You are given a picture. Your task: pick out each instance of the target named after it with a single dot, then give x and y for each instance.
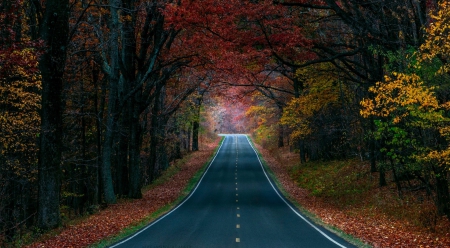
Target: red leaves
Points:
(110, 221)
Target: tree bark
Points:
(54, 31)
(196, 122)
(280, 127)
(442, 192)
(135, 181)
(112, 115)
(195, 131)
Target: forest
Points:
(99, 97)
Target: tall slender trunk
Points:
(372, 154)
(121, 175)
(135, 178)
(106, 174)
(162, 161)
(112, 115)
(189, 131)
(301, 145)
(154, 138)
(195, 131)
(442, 192)
(96, 198)
(54, 32)
(298, 89)
(280, 127)
(382, 178)
(196, 122)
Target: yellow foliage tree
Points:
(403, 103)
(321, 91)
(263, 121)
(19, 111)
(437, 43)
(400, 96)
(412, 125)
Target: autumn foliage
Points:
(129, 86)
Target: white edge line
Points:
(289, 205)
(179, 205)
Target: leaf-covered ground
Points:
(375, 216)
(114, 218)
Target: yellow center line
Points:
(238, 240)
(238, 226)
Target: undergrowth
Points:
(348, 184)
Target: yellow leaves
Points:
(442, 158)
(407, 104)
(19, 110)
(399, 96)
(322, 90)
(437, 43)
(295, 116)
(125, 18)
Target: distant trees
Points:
(20, 85)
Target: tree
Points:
(20, 86)
(436, 45)
(54, 32)
(409, 119)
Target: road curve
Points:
(234, 205)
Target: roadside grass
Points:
(342, 182)
(303, 210)
(348, 184)
(166, 176)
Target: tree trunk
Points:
(382, 179)
(195, 130)
(154, 138)
(280, 127)
(196, 123)
(301, 145)
(54, 32)
(442, 192)
(112, 115)
(280, 136)
(121, 182)
(179, 140)
(106, 174)
(373, 161)
(135, 181)
(121, 176)
(97, 188)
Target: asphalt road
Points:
(234, 205)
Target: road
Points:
(234, 205)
